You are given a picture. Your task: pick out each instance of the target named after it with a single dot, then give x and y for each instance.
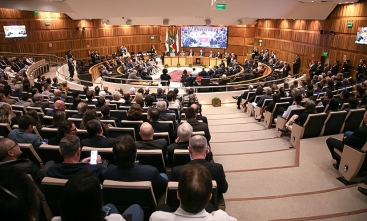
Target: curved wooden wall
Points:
(290, 37)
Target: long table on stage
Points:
(194, 60)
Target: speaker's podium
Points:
(198, 61)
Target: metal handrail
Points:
(50, 58)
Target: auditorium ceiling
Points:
(181, 12)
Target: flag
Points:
(177, 44)
(167, 42)
(172, 41)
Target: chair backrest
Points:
(334, 122)
(112, 106)
(133, 124)
(111, 122)
(114, 132)
(266, 102)
(297, 111)
(194, 133)
(277, 106)
(171, 195)
(180, 157)
(119, 114)
(257, 98)
(105, 153)
(82, 134)
(320, 109)
(164, 135)
(5, 129)
(30, 153)
(49, 132)
(50, 152)
(47, 120)
(124, 194)
(18, 113)
(153, 158)
(345, 105)
(77, 121)
(38, 109)
(18, 107)
(250, 93)
(354, 119)
(313, 125)
(53, 189)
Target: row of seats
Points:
(122, 194)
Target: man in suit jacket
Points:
(164, 113)
(95, 131)
(184, 133)
(335, 68)
(153, 117)
(38, 102)
(201, 53)
(106, 111)
(199, 116)
(357, 140)
(219, 55)
(211, 54)
(191, 53)
(128, 170)
(147, 143)
(198, 148)
(196, 125)
(296, 64)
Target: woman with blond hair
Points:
(135, 113)
(7, 115)
(59, 117)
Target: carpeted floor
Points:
(269, 181)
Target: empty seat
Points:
(114, 132)
(153, 158)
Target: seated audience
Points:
(36, 118)
(184, 133)
(148, 143)
(135, 113)
(70, 150)
(82, 108)
(196, 125)
(164, 113)
(38, 102)
(58, 106)
(7, 115)
(58, 118)
(95, 131)
(296, 104)
(198, 148)
(66, 128)
(105, 110)
(128, 170)
(25, 101)
(127, 99)
(9, 154)
(24, 133)
(194, 193)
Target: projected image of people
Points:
(361, 35)
(204, 37)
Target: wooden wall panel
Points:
(236, 41)
(236, 32)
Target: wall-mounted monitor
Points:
(204, 37)
(361, 35)
(15, 31)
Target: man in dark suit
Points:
(201, 53)
(105, 110)
(147, 143)
(71, 68)
(198, 148)
(312, 69)
(191, 53)
(219, 55)
(196, 125)
(95, 131)
(211, 54)
(38, 102)
(153, 117)
(164, 113)
(357, 140)
(335, 68)
(199, 116)
(184, 133)
(128, 170)
(296, 64)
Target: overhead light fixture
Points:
(165, 22)
(129, 22)
(239, 22)
(208, 22)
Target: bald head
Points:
(195, 106)
(57, 93)
(60, 105)
(146, 131)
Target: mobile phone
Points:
(45, 141)
(93, 156)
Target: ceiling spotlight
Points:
(208, 21)
(105, 21)
(239, 22)
(129, 22)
